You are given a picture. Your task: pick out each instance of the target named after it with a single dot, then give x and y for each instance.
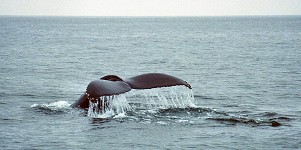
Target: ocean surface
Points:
(245, 74)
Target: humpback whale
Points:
(111, 85)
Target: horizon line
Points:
(150, 16)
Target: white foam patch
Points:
(161, 123)
(58, 105)
(121, 115)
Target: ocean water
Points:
(245, 74)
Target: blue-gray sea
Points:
(245, 74)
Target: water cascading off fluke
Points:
(157, 98)
(108, 106)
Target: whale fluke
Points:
(98, 88)
(154, 80)
(113, 85)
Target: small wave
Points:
(252, 122)
(197, 110)
(204, 97)
(167, 116)
(273, 115)
(3, 94)
(263, 119)
(8, 120)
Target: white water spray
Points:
(157, 98)
(166, 97)
(108, 106)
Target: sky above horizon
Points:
(149, 7)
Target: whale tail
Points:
(113, 85)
